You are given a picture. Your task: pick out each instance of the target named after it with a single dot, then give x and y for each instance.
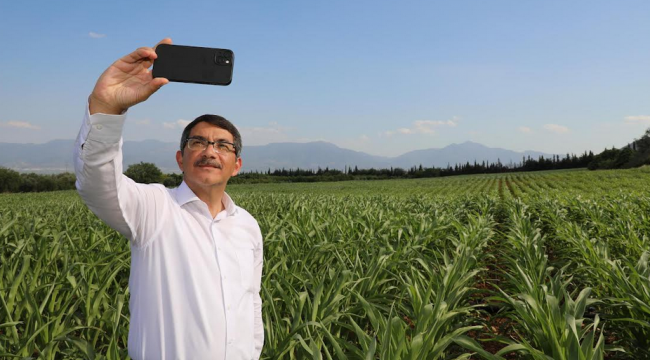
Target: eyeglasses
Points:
(220, 146)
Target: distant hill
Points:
(307, 156)
(56, 156)
(463, 153)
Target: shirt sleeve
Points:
(258, 330)
(126, 206)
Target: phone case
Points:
(190, 64)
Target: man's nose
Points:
(209, 151)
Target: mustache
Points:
(207, 161)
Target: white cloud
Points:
(262, 135)
(525, 130)
(425, 127)
(364, 138)
(558, 129)
(180, 123)
(638, 119)
(20, 125)
(95, 35)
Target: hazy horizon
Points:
(317, 141)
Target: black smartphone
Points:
(190, 64)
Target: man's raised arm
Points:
(98, 150)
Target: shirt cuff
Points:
(105, 128)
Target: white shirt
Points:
(195, 280)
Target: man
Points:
(196, 257)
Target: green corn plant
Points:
(631, 296)
(554, 326)
(550, 322)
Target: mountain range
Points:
(56, 156)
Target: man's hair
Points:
(217, 121)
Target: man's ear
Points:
(237, 167)
(179, 160)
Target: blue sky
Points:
(384, 77)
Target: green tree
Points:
(9, 180)
(65, 181)
(643, 144)
(172, 180)
(642, 154)
(145, 173)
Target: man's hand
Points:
(127, 82)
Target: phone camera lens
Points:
(223, 58)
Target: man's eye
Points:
(223, 147)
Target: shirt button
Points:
(99, 126)
(230, 341)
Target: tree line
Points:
(13, 181)
(634, 154)
(415, 172)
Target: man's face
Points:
(207, 168)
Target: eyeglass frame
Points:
(213, 143)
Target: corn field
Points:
(548, 265)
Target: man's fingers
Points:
(144, 54)
(150, 88)
(156, 84)
(149, 60)
(167, 41)
(140, 54)
(160, 81)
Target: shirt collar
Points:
(184, 195)
(231, 208)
